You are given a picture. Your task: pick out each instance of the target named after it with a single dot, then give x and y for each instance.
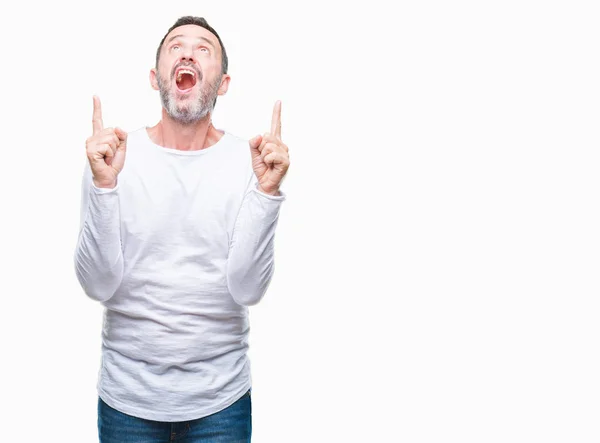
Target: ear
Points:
(224, 84)
(153, 81)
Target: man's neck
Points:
(169, 133)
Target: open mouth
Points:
(185, 79)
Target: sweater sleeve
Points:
(251, 251)
(98, 255)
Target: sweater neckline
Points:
(211, 148)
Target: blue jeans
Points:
(231, 425)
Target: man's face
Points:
(189, 74)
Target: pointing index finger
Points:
(276, 120)
(97, 116)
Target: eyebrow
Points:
(201, 38)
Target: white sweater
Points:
(175, 253)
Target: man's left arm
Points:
(250, 262)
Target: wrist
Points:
(104, 184)
(274, 192)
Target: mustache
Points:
(188, 66)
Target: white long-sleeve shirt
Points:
(176, 252)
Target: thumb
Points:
(255, 142)
(122, 136)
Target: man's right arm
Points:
(98, 255)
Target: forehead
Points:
(193, 32)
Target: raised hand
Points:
(105, 150)
(270, 158)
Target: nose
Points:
(187, 54)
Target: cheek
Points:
(165, 67)
(165, 78)
(209, 66)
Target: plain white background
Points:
(438, 254)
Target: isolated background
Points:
(438, 254)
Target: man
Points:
(176, 241)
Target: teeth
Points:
(185, 71)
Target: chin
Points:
(188, 115)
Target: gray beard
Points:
(191, 112)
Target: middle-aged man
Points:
(176, 241)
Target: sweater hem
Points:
(170, 417)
